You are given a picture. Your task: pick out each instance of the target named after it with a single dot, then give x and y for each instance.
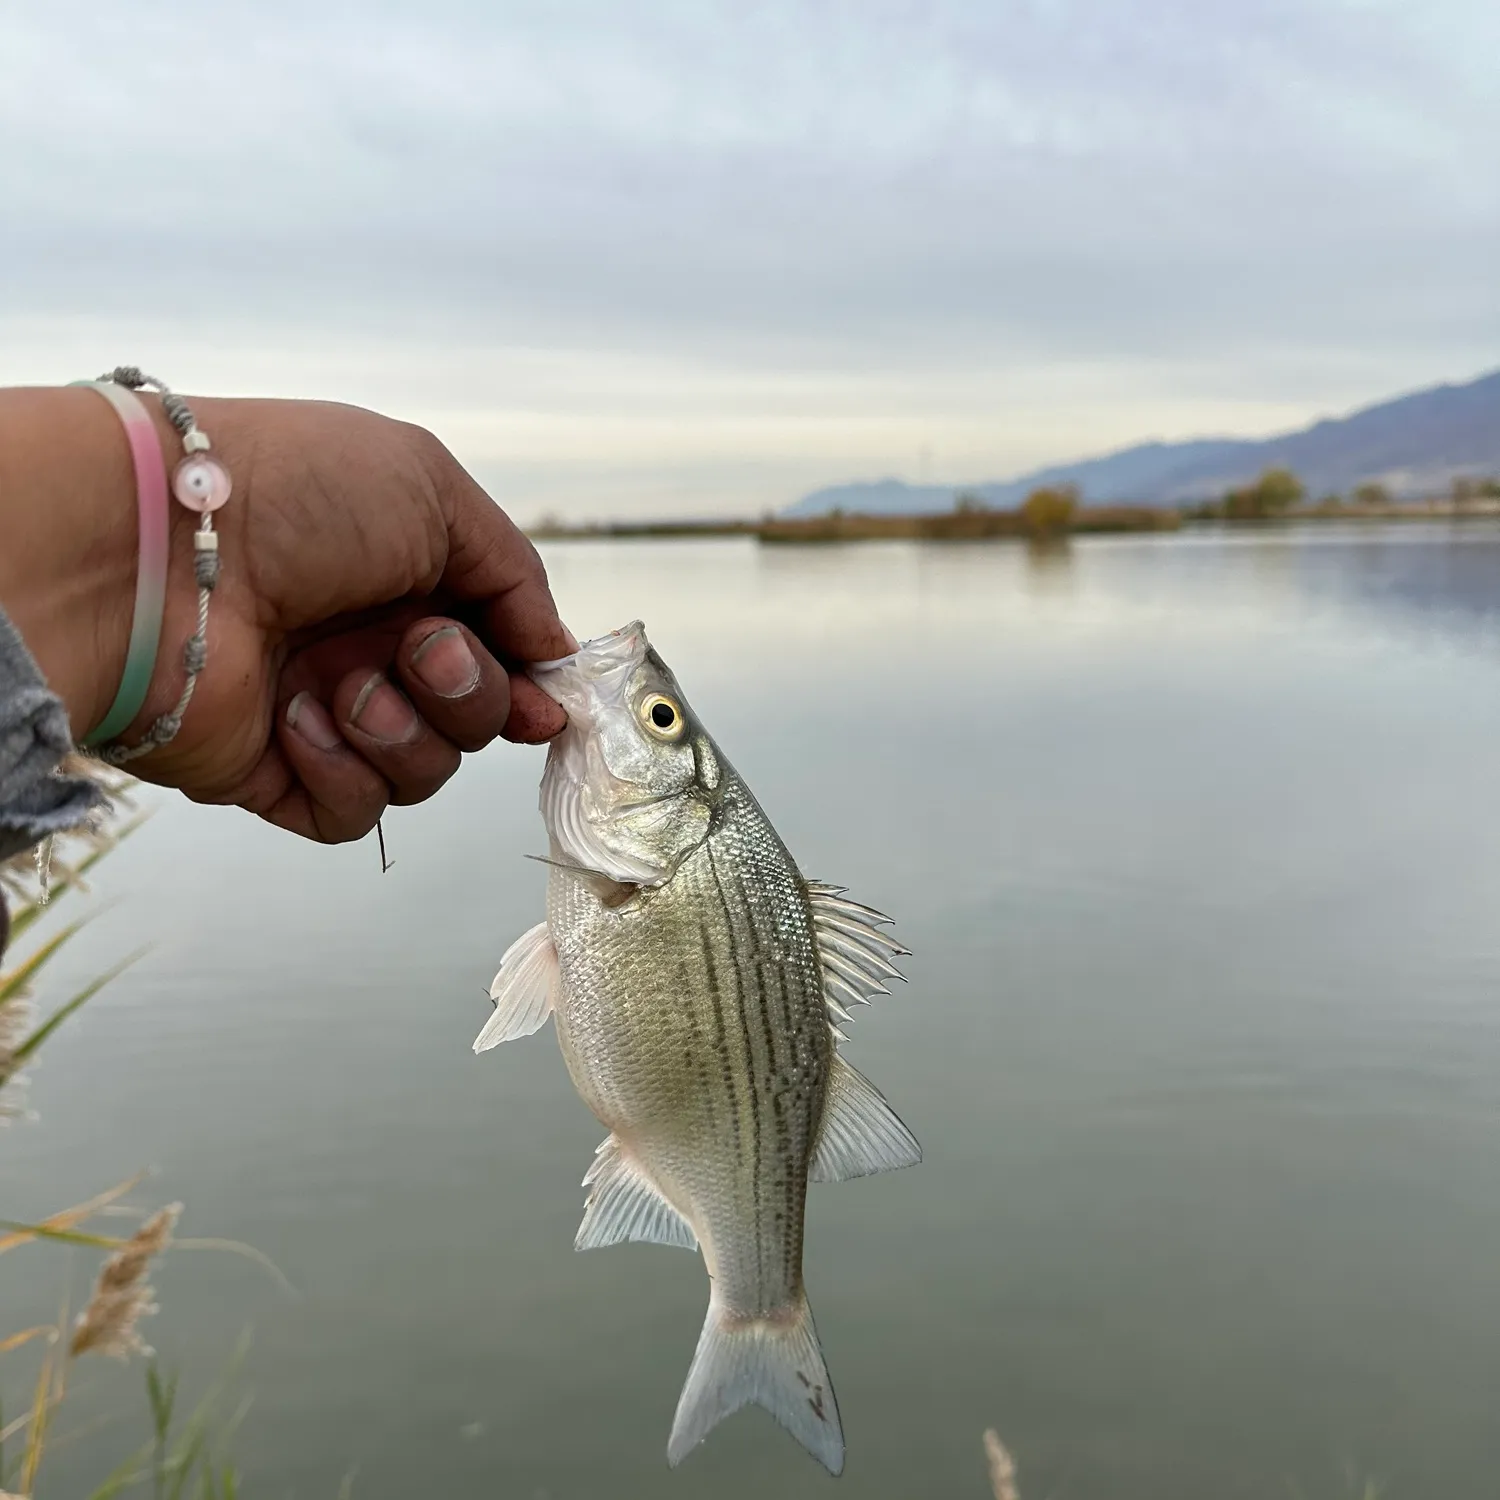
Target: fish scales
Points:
(694, 1027)
(693, 975)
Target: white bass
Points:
(698, 983)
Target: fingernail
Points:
(312, 721)
(383, 714)
(571, 639)
(445, 664)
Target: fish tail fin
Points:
(774, 1361)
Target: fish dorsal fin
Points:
(624, 1204)
(855, 954)
(860, 1133)
(523, 991)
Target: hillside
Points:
(1414, 444)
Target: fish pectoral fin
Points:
(624, 1204)
(860, 1133)
(611, 892)
(524, 991)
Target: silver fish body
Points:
(695, 978)
(693, 1024)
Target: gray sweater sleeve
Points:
(34, 737)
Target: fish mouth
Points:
(598, 669)
(628, 643)
(590, 682)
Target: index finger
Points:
(492, 562)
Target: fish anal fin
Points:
(624, 1204)
(772, 1360)
(524, 991)
(860, 1132)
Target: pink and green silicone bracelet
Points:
(151, 569)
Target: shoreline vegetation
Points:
(182, 1455)
(1055, 512)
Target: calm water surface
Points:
(1197, 844)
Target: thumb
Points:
(493, 563)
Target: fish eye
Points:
(661, 716)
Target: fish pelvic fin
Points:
(625, 1204)
(524, 991)
(773, 1361)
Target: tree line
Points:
(1053, 509)
(1279, 491)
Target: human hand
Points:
(373, 608)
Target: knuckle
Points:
(428, 447)
(531, 560)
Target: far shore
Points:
(978, 524)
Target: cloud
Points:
(730, 250)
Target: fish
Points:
(699, 985)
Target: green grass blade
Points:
(232, 1426)
(163, 1397)
(25, 973)
(238, 1247)
(190, 1447)
(84, 995)
(128, 1473)
(65, 1236)
(193, 1444)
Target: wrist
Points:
(69, 558)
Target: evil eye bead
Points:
(201, 483)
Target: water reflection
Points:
(1444, 573)
(1421, 580)
(1050, 566)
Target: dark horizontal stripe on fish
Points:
(750, 1068)
(721, 1040)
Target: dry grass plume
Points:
(109, 1324)
(1002, 1467)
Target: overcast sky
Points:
(632, 257)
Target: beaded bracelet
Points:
(202, 485)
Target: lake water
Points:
(1197, 843)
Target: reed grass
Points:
(183, 1460)
(1002, 1467)
(110, 1323)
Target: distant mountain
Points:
(1414, 445)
